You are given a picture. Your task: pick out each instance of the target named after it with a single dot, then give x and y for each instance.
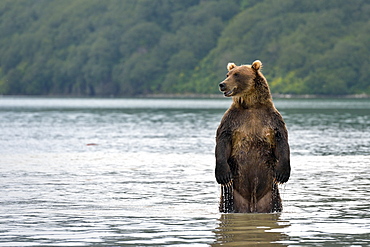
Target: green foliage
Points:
(307, 47)
(135, 47)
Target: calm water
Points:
(121, 172)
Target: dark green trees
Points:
(135, 47)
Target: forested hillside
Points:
(138, 47)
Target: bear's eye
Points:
(236, 74)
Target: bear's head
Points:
(242, 80)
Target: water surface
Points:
(121, 172)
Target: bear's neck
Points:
(258, 97)
(252, 101)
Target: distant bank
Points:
(276, 96)
(197, 96)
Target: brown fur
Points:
(252, 147)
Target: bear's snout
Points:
(222, 86)
(227, 89)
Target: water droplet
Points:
(227, 198)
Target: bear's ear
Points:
(230, 66)
(257, 65)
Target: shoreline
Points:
(196, 96)
(275, 96)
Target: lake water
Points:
(140, 172)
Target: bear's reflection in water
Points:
(250, 230)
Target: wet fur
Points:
(252, 149)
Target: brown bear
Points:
(252, 150)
